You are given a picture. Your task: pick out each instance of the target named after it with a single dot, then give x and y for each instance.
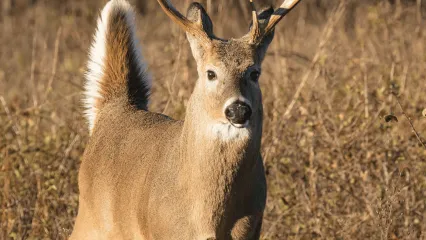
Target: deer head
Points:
(228, 86)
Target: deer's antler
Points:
(257, 32)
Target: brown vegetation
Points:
(340, 86)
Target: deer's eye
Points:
(254, 76)
(211, 75)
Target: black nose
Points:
(238, 112)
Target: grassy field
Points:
(340, 83)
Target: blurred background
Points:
(343, 84)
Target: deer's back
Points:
(128, 161)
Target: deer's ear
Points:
(264, 17)
(198, 15)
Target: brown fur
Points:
(146, 176)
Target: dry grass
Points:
(336, 169)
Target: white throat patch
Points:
(226, 132)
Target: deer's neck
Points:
(214, 167)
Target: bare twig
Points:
(409, 120)
(277, 221)
(15, 127)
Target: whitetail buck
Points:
(147, 176)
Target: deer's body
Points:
(126, 194)
(146, 176)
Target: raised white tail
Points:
(115, 69)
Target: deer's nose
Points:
(238, 112)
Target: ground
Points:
(343, 88)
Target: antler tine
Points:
(285, 8)
(255, 30)
(182, 21)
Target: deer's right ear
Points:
(198, 15)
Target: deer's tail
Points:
(115, 71)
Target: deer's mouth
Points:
(240, 125)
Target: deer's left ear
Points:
(262, 47)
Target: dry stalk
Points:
(33, 66)
(5, 218)
(55, 63)
(36, 219)
(170, 86)
(419, 11)
(366, 111)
